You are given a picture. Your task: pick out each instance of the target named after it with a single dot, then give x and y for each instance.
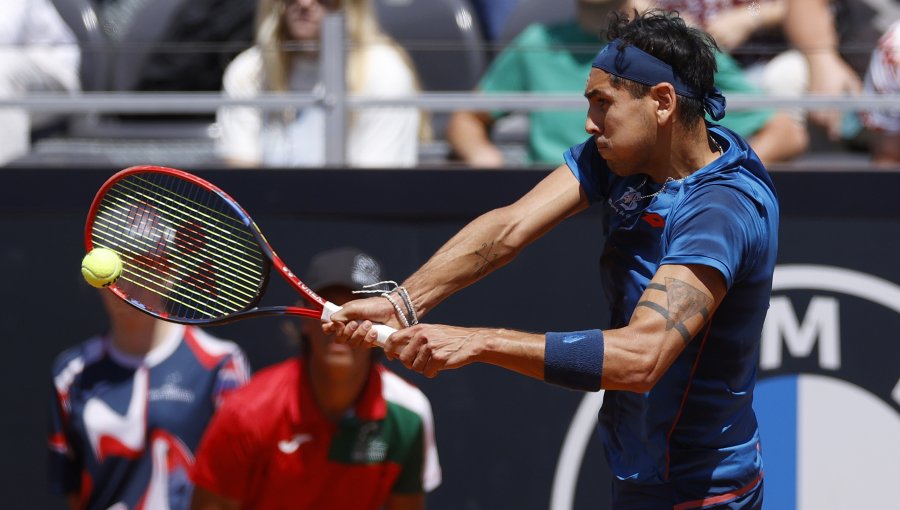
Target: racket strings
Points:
(183, 243)
(188, 239)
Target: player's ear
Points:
(666, 101)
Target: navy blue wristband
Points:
(574, 359)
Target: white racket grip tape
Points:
(383, 331)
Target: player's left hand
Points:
(430, 348)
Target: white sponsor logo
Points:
(291, 446)
(172, 391)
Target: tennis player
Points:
(332, 429)
(691, 228)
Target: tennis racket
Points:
(190, 253)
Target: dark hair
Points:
(665, 35)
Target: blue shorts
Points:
(670, 496)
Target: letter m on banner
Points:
(783, 329)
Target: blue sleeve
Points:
(63, 462)
(589, 168)
(719, 227)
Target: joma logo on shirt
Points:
(369, 447)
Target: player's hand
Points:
(352, 324)
(430, 348)
(830, 75)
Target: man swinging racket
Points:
(691, 228)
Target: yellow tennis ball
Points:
(101, 267)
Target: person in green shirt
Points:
(555, 59)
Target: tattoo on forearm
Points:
(684, 301)
(487, 258)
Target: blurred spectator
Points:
(492, 14)
(751, 31)
(555, 58)
(203, 38)
(285, 58)
(38, 53)
(883, 77)
(350, 434)
(130, 407)
(810, 27)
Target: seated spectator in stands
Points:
(492, 14)
(198, 45)
(556, 58)
(883, 77)
(751, 32)
(191, 48)
(810, 27)
(38, 53)
(281, 62)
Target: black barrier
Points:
(500, 435)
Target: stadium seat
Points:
(144, 31)
(95, 49)
(442, 37)
(116, 41)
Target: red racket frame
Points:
(274, 259)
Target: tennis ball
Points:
(101, 267)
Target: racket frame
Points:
(322, 308)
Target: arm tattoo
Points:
(684, 301)
(487, 258)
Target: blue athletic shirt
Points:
(696, 427)
(123, 429)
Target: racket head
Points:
(190, 253)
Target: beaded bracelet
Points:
(400, 315)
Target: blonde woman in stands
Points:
(285, 58)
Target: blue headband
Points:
(632, 63)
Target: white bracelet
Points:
(400, 315)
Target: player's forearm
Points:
(495, 238)
(475, 251)
(514, 350)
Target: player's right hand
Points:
(352, 324)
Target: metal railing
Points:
(334, 99)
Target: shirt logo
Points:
(291, 446)
(629, 200)
(369, 447)
(171, 390)
(654, 220)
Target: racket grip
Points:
(383, 330)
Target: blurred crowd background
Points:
(253, 83)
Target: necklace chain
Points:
(669, 179)
(661, 188)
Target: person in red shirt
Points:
(331, 429)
